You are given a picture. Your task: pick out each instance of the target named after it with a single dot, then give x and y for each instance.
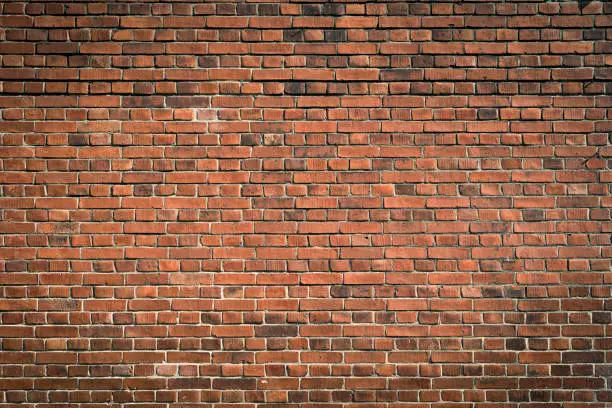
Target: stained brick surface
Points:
(249, 204)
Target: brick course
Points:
(249, 204)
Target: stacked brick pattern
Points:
(295, 204)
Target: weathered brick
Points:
(265, 204)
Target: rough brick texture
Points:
(250, 204)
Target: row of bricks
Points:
(148, 325)
(194, 95)
(358, 322)
(296, 35)
(471, 302)
(289, 383)
(530, 285)
(243, 349)
(412, 152)
(444, 152)
(321, 203)
(545, 285)
(301, 21)
(487, 267)
(184, 114)
(459, 102)
(251, 242)
(166, 326)
(403, 348)
(290, 95)
(324, 252)
(485, 271)
(308, 126)
(421, 358)
(455, 331)
(517, 234)
(363, 172)
(332, 9)
(275, 46)
(528, 146)
(409, 80)
(187, 324)
(512, 223)
(424, 174)
(63, 65)
(238, 272)
(269, 177)
(312, 399)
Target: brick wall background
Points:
(297, 204)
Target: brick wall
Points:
(294, 204)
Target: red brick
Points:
(247, 203)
